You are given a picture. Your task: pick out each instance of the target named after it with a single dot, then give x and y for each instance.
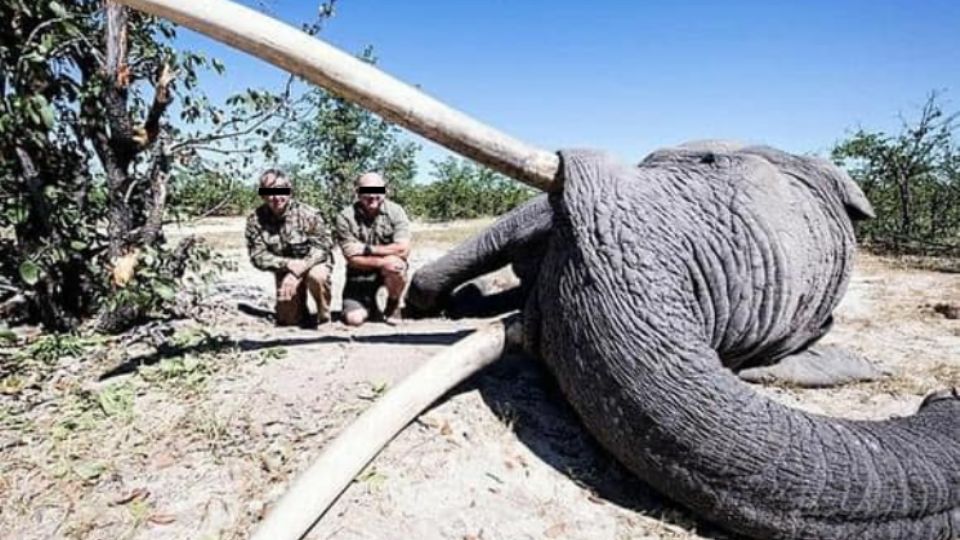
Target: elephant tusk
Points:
(320, 485)
(359, 82)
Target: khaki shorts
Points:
(362, 294)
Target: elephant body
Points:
(642, 285)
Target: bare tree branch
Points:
(218, 150)
(209, 212)
(161, 100)
(258, 119)
(261, 118)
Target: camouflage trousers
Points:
(292, 309)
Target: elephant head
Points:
(643, 285)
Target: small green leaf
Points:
(32, 114)
(190, 362)
(29, 272)
(7, 335)
(46, 115)
(77, 245)
(89, 470)
(165, 292)
(57, 9)
(116, 400)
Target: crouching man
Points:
(374, 234)
(290, 239)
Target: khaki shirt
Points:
(355, 229)
(298, 234)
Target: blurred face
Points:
(371, 192)
(279, 193)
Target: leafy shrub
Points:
(161, 275)
(87, 151)
(463, 190)
(212, 194)
(912, 179)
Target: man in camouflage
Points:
(290, 239)
(374, 234)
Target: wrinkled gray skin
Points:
(643, 285)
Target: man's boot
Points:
(391, 312)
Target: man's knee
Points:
(355, 317)
(318, 275)
(395, 266)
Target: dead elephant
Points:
(641, 285)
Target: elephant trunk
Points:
(509, 240)
(657, 396)
(768, 471)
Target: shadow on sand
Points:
(215, 344)
(521, 392)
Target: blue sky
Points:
(632, 76)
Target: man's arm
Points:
(365, 262)
(260, 256)
(359, 256)
(401, 235)
(400, 248)
(375, 257)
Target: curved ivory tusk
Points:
(359, 82)
(320, 485)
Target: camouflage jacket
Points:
(299, 234)
(355, 229)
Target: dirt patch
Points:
(199, 428)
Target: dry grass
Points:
(950, 265)
(227, 233)
(897, 385)
(947, 374)
(448, 234)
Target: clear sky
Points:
(631, 76)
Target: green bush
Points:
(463, 190)
(212, 194)
(912, 179)
(87, 150)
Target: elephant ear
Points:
(856, 203)
(820, 174)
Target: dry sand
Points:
(198, 443)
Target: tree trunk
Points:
(135, 212)
(118, 155)
(903, 189)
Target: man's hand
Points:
(288, 287)
(297, 267)
(393, 264)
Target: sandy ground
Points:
(197, 440)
